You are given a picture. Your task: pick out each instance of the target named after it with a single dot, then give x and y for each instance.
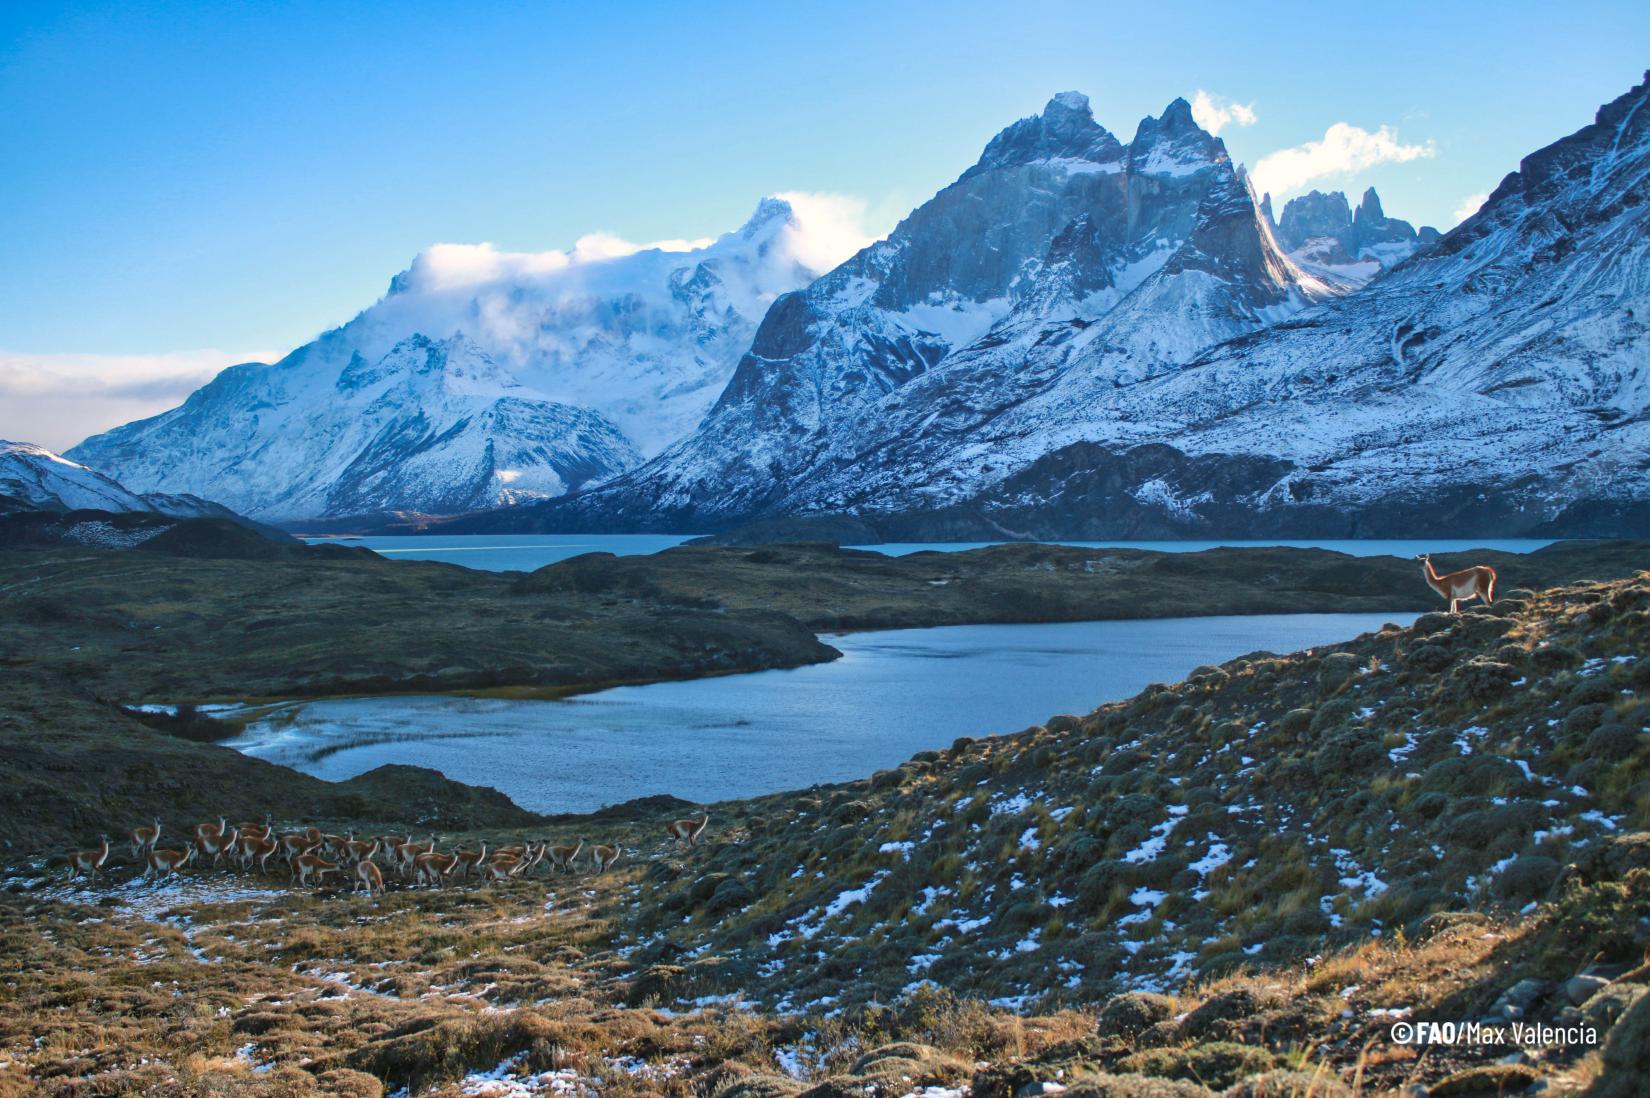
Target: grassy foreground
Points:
(1234, 884)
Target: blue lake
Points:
(526, 552)
(891, 695)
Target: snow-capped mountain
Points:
(32, 478)
(1322, 234)
(481, 378)
(1084, 339)
(1061, 249)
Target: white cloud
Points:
(595, 247)
(1215, 112)
(1344, 149)
(1469, 206)
(831, 227)
(56, 400)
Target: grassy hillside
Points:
(1232, 884)
(1245, 816)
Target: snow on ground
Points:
(148, 900)
(1153, 846)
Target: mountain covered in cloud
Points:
(486, 377)
(1086, 338)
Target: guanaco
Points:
(313, 865)
(260, 850)
(469, 861)
(358, 850)
(602, 856)
(164, 863)
(687, 830)
(145, 838)
(88, 861)
(367, 874)
(1463, 586)
(502, 866)
(294, 843)
(431, 867)
(563, 857)
(216, 843)
(211, 829)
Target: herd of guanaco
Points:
(310, 855)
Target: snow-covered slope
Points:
(481, 378)
(34, 478)
(1061, 249)
(1495, 383)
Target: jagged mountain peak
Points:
(771, 215)
(1346, 245)
(1369, 207)
(1174, 144)
(1177, 117)
(1065, 130)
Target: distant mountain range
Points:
(1079, 337)
(1323, 235)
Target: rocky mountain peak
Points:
(1174, 144)
(1324, 234)
(1369, 209)
(770, 214)
(1065, 130)
(1314, 214)
(1177, 117)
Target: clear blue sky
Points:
(238, 176)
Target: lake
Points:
(526, 552)
(891, 695)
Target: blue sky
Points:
(187, 184)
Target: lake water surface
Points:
(891, 695)
(525, 552)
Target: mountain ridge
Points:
(1492, 384)
(480, 378)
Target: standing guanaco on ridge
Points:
(88, 862)
(145, 838)
(687, 830)
(603, 856)
(1463, 586)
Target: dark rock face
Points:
(1314, 214)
